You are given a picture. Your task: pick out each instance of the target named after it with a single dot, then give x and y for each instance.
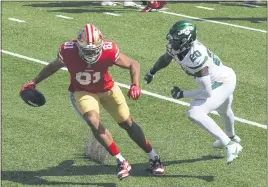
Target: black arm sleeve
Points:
(161, 63)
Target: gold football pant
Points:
(113, 101)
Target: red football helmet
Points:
(90, 41)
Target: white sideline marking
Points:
(17, 20)
(213, 21)
(112, 14)
(143, 91)
(207, 8)
(65, 17)
(251, 5)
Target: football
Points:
(33, 97)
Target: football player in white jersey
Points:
(215, 85)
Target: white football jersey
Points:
(197, 58)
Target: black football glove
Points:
(149, 77)
(176, 93)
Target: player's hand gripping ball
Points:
(31, 96)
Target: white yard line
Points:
(213, 21)
(64, 17)
(157, 10)
(143, 91)
(17, 20)
(112, 14)
(203, 7)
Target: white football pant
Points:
(221, 101)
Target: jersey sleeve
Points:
(110, 51)
(63, 53)
(60, 53)
(198, 60)
(114, 53)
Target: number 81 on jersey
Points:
(85, 78)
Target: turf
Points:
(44, 146)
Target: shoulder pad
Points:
(111, 50)
(66, 46)
(199, 58)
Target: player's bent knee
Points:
(92, 118)
(194, 115)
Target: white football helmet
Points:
(89, 40)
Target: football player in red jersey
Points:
(87, 60)
(153, 4)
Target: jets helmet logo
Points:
(186, 31)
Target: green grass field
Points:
(45, 146)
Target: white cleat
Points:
(108, 3)
(123, 169)
(132, 5)
(219, 145)
(232, 151)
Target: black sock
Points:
(136, 134)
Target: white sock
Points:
(119, 157)
(152, 154)
(228, 123)
(207, 123)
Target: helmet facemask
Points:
(182, 44)
(89, 53)
(89, 43)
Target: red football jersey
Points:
(84, 77)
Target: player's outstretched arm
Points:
(161, 63)
(125, 62)
(44, 73)
(48, 70)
